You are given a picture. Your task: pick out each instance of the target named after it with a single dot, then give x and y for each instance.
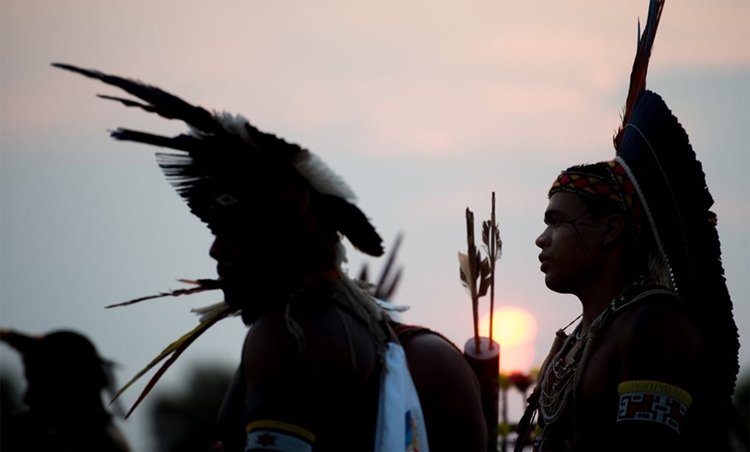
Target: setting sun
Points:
(515, 329)
(510, 326)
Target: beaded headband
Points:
(616, 190)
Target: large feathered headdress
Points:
(656, 154)
(225, 165)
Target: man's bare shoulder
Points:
(270, 347)
(658, 340)
(431, 351)
(307, 342)
(440, 371)
(448, 391)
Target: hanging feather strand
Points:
(203, 285)
(175, 349)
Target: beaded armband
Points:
(275, 435)
(653, 401)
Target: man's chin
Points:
(556, 286)
(253, 304)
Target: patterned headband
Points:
(616, 190)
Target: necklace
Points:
(558, 379)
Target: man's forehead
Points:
(565, 203)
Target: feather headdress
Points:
(225, 165)
(660, 168)
(655, 151)
(226, 170)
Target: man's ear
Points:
(614, 225)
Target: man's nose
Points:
(541, 241)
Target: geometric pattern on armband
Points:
(269, 434)
(653, 401)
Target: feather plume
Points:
(206, 312)
(228, 161)
(664, 168)
(385, 288)
(162, 103)
(364, 278)
(655, 151)
(388, 289)
(388, 281)
(640, 65)
(353, 223)
(203, 285)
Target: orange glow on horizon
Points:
(515, 330)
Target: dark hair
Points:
(74, 360)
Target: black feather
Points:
(226, 161)
(162, 103)
(352, 222)
(656, 150)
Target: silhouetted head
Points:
(608, 190)
(63, 370)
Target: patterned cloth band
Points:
(653, 401)
(617, 189)
(276, 435)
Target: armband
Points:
(653, 401)
(276, 435)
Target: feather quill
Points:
(493, 246)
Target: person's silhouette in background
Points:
(65, 377)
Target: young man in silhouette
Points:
(653, 362)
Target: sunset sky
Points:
(424, 107)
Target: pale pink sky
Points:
(425, 108)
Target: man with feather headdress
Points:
(653, 362)
(321, 368)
